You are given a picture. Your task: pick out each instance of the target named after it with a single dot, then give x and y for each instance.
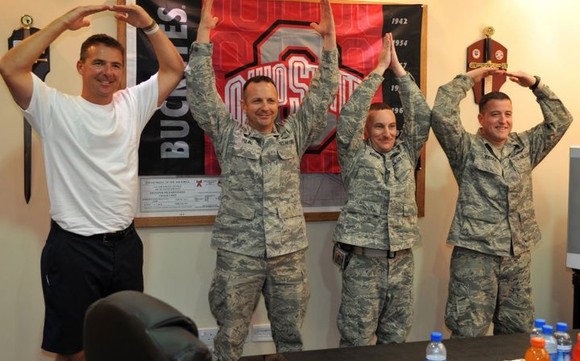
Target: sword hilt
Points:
(488, 64)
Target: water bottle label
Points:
(563, 353)
(436, 358)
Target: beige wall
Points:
(541, 38)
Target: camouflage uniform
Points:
(494, 223)
(260, 225)
(380, 213)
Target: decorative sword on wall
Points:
(41, 68)
(487, 53)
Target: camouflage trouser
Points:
(377, 299)
(235, 291)
(485, 287)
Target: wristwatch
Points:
(535, 85)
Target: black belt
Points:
(369, 252)
(104, 237)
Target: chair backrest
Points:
(130, 325)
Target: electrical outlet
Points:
(206, 335)
(262, 333)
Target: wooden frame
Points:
(309, 216)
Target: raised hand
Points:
(76, 18)
(480, 73)
(326, 27)
(207, 22)
(133, 15)
(395, 65)
(521, 78)
(385, 56)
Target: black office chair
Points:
(131, 325)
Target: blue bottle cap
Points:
(436, 336)
(562, 326)
(539, 322)
(547, 329)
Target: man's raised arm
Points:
(171, 64)
(16, 64)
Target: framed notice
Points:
(178, 170)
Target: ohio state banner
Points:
(272, 38)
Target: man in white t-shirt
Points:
(90, 145)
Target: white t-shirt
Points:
(91, 154)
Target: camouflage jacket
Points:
(380, 210)
(260, 212)
(495, 209)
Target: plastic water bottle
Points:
(563, 341)
(576, 350)
(436, 349)
(537, 352)
(537, 330)
(551, 346)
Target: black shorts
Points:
(78, 270)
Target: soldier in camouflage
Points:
(259, 231)
(494, 227)
(378, 224)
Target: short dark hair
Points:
(258, 79)
(495, 95)
(104, 39)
